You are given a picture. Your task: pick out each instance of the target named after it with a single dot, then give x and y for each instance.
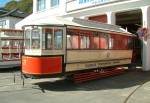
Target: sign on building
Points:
(79, 4)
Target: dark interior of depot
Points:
(131, 21)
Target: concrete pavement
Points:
(130, 87)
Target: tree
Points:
(23, 5)
(11, 5)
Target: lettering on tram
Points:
(74, 46)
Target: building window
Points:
(54, 3)
(41, 5)
(2, 23)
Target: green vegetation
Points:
(23, 5)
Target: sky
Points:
(3, 2)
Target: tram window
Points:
(27, 38)
(83, 42)
(114, 42)
(95, 43)
(111, 43)
(5, 43)
(130, 43)
(35, 39)
(6, 56)
(72, 41)
(103, 41)
(88, 42)
(15, 56)
(69, 43)
(120, 42)
(58, 38)
(125, 42)
(15, 44)
(48, 35)
(75, 41)
(21, 44)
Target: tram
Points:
(62, 47)
(11, 48)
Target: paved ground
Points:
(131, 87)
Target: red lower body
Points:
(41, 65)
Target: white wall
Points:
(116, 6)
(7, 22)
(13, 21)
(40, 15)
(10, 22)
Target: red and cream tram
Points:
(62, 47)
(11, 48)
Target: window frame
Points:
(29, 45)
(53, 5)
(46, 39)
(53, 38)
(39, 40)
(40, 6)
(54, 44)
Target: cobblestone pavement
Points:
(130, 87)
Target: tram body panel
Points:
(42, 65)
(44, 52)
(80, 66)
(96, 55)
(89, 59)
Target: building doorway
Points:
(131, 21)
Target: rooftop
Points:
(13, 13)
(60, 21)
(3, 11)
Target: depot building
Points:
(129, 14)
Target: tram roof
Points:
(59, 21)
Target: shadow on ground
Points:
(128, 79)
(9, 70)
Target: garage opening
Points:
(131, 21)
